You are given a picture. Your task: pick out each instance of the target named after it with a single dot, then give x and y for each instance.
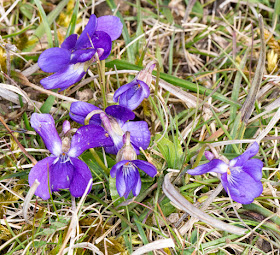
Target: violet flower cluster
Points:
(112, 128)
(241, 178)
(71, 62)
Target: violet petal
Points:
(140, 135)
(120, 182)
(132, 98)
(61, 174)
(137, 187)
(70, 42)
(123, 89)
(64, 78)
(79, 111)
(54, 59)
(249, 153)
(116, 167)
(130, 178)
(145, 166)
(87, 33)
(111, 25)
(81, 178)
(120, 113)
(40, 172)
(215, 165)
(44, 125)
(242, 187)
(89, 136)
(253, 167)
(145, 88)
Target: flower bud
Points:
(209, 155)
(127, 152)
(66, 126)
(145, 75)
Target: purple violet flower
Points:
(241, 177)
(132, 94)
(71, 61)
(126, 170)
(115, 121)
(63, 169)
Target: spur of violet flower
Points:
(126, 170)
(115, 121)
(63, 169)
(132, 94)
(71, 61)
(241, 177)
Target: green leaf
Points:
(26, 10)
(114, 193)
(172, 153)
(46, 107)
(45, 23)
(73, 21)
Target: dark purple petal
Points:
(120, 182)
(103, 41)
(249, 153)
(253, 167)
(111, 25)
(54, 59)
(87, 32)
(242, 187)
(123, 89)
(79, 111)
(113, 149)
(61, 174)
(40, 172)
(70, 42)
(140, 135)
(89, 136)
(137, 187)
(116, 167)
(81, 178)
(64, 78)
(145, 166)
(82, 55)
(215, 165)
(44, 125)
(120, 113)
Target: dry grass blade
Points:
(160, 244)
(28, 199)
(249, 103)
(179, 201)
(85, 245)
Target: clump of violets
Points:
(115, 121)
(241, 177)
(126, 170)
(71, 61)
(62, 169)
(132, 94)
